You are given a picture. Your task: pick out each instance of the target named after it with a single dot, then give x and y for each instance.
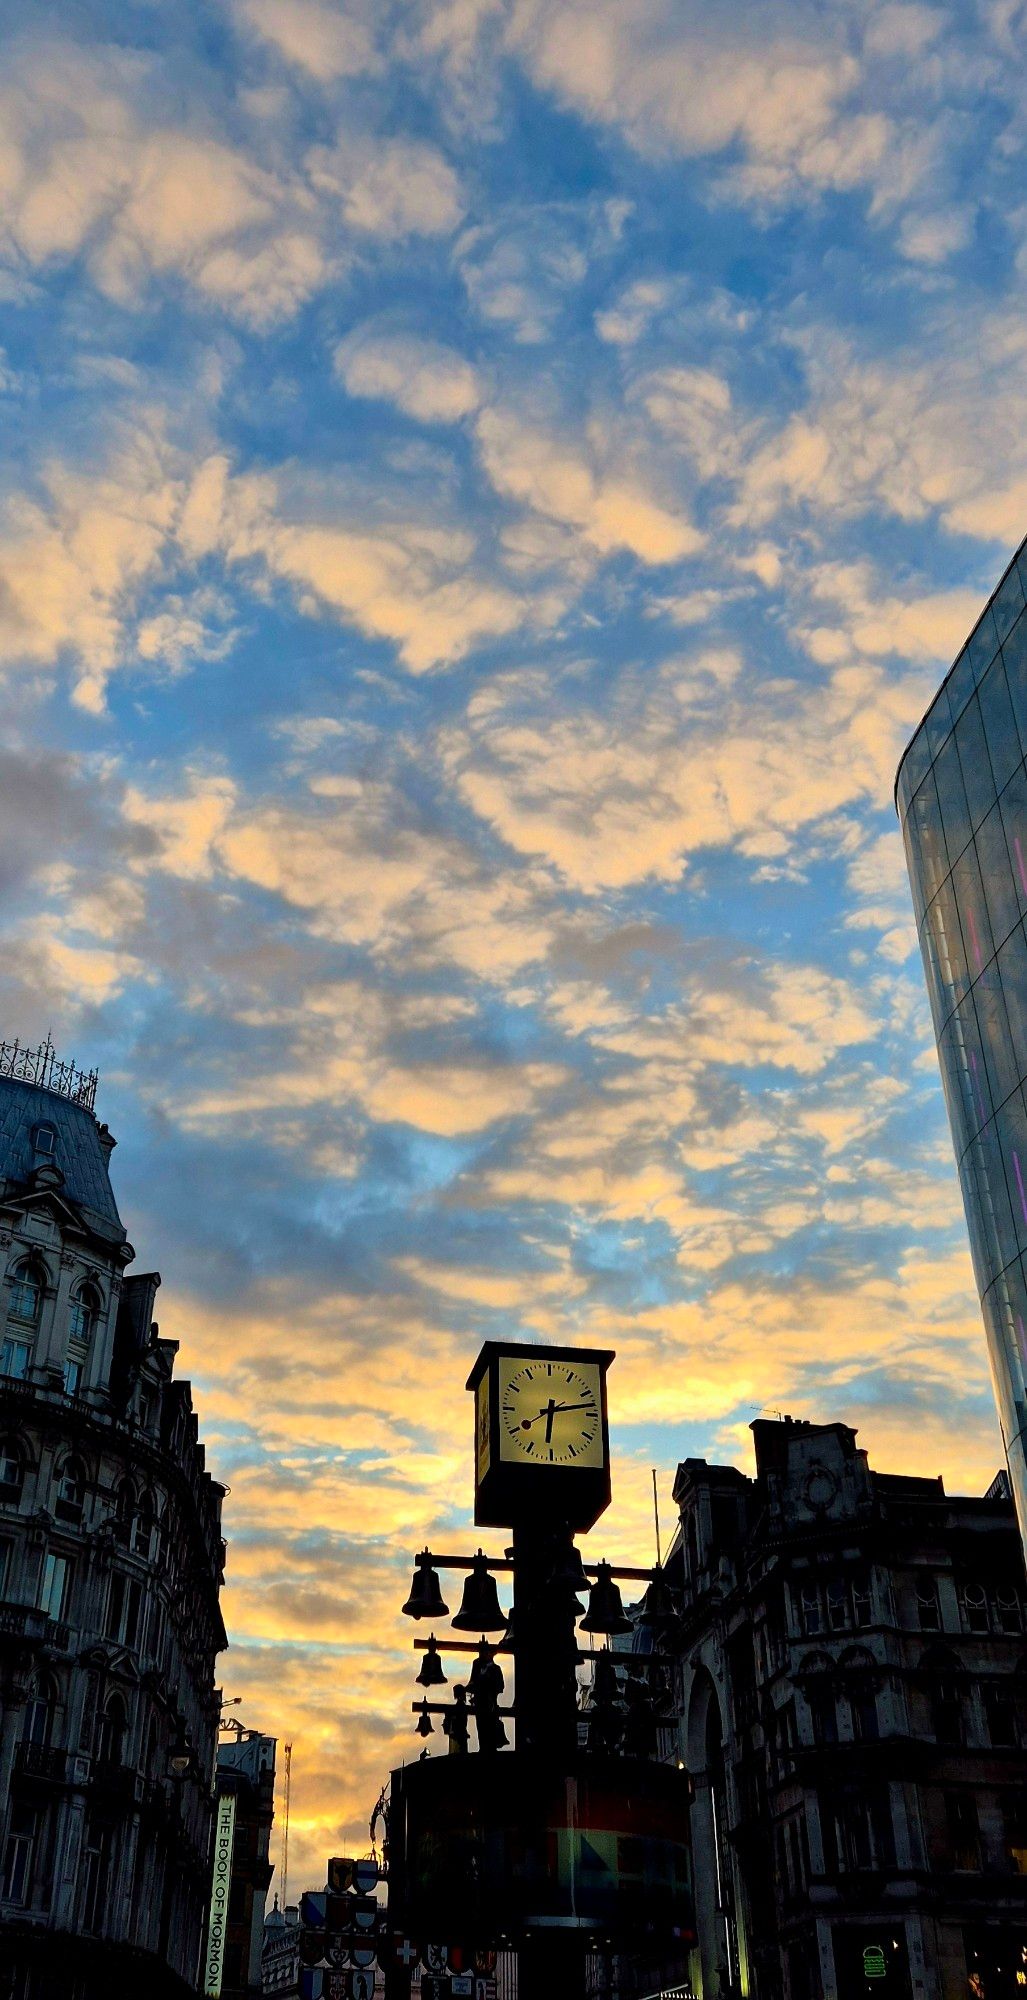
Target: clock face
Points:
(550, 1412)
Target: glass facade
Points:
(961, 794)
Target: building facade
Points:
(111, 1561)
(961, 794)
(246, 1777)
(852, 1702)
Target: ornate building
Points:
(852, 1672)
(111, 1560)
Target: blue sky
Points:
(489, 489)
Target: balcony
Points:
(22, 1622)
(38, 1760)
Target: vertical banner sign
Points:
(224, 1841)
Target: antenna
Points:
(285, 1827)
(656, 1515)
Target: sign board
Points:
(224, 1844)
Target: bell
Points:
(570, 1570)
(480, 1608)
(657, 1607)
(605, 1685)
(605, 1610)
(425, 1725)
(433, 1673)
(425, 1599)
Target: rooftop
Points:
(43, 1067)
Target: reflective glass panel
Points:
(1014, 819)
(916, 762)
(1007, 602)
(975, 764)
(1003, 1069)
(1014, 657)
(1011, 1126)
(981, 644)
(997, 1213)
(943, 919)
(960, 685)
(937, 992)
(1012, 965)
(927, 839)
(997, 876)
(955, 813)
(1000, 728)
(938, 721)
(973, 912)
(980, 1241)
(964, 1075)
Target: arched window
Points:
(112, 1725)
(71, 1492)
(12, 1472)
(85, 1307)
(124, 1511)
(44, 1140)
(143, 1529)
(27, 1287)
(37, 1724)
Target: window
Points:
(1014, 1819)
(111, 1731)
(1008, 1614)
(1000, 1709)
(12, 1472)
(928, 1608)
(143, 1529)
(947, 1711)
(71, 1492)
(963, 1831)
(837, 1604)
(38, 1718)
(975, 1608)
(44, 1140)
(95, 1865)
(124, 1510)
(16, 1886)
(862, 1602)
(53, 1585)
(85, 1307)
(810, 1611)
(123, 1608)
(824, 1716)
(6, 1561)
(859, 1826)
(14, 1356)
(26, 1294)
(863, 1703)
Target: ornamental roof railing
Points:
(43, 1067)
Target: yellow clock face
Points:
(550, 1412)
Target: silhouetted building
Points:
(111, 1560)
(851, 1691)
(280, 1952)
(243, 1818)
(961, 794)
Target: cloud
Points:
(586, 489)
(319, 39)
(392, 188)
(422, 377)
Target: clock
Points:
(542, 1447)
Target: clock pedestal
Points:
(544, 1641)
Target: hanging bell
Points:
(605, 1610)
(570, 1570)
(425, 1725)
(433, 1673)
(480, 1609)
(605, 1685)
(657, 1607)
(425, 1599)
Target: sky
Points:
(488, 489)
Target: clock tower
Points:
(542, 1442)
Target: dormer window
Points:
(44, 1141)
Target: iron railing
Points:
(43, 1067)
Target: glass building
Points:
(961, 794)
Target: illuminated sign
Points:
(874, 1966)
(224, 1842)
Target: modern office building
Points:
(851, 1699)
(111, 1561)
(961, 794)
